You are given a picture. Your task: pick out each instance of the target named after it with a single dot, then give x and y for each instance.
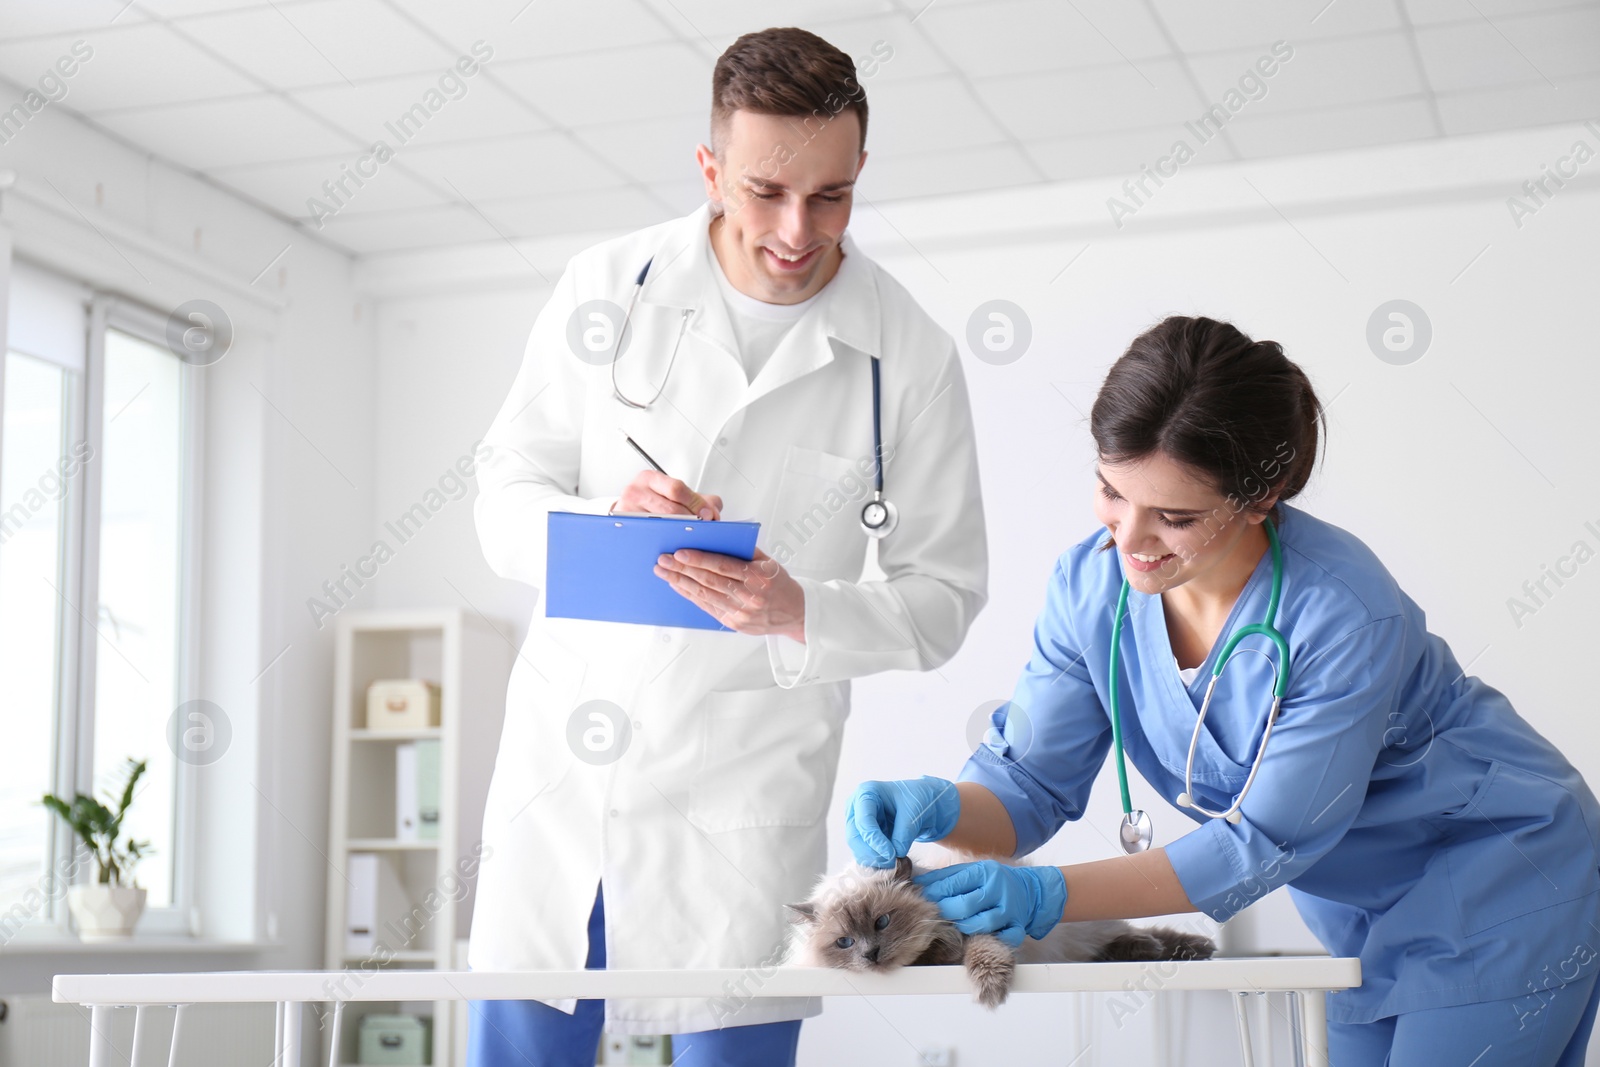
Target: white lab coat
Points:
(712, 819)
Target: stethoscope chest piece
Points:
(879, 517)
(1136, 831)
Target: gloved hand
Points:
(989, 897)
(883, 818)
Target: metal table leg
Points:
(1314, 1027)
(1296, 1028)
(333, 1043)
(177, 1024)
(290, 1049)
(100, 1048)
(1246, 1050)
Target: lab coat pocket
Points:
(1519, 844)
(816, 530)
(768, 758)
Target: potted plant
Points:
(105, 909)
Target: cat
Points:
(870, 919)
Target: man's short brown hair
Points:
(784, 71)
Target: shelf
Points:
(153, 943)
(470, 660)
(387, 844)
(410, 955)
(420, 733)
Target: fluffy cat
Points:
(867, 919)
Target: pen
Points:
(646, 455)
(635, 446)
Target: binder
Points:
(602, 567)
(427, 790)
(416, 790)
(406, 809)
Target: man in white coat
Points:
(687, 771)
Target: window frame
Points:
(78, 636)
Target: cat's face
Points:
(865, 919)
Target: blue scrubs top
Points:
(1419, 822)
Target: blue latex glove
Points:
(883, 818)
(989, 897)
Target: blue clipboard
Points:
(602, 567)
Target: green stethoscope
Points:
(1136, 832)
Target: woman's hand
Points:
(883, 818)
(989, 897)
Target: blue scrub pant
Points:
(526, 1033)
(1547, 1029)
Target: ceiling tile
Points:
(927, 116)
(423, 228)
(132, 65)
(223, 133)
(451, 109)
(505, 168)
(332, 41)
(627, 83)
(950, 171)
(654, 150)
(1151, 93)
(524, 29)
(884, 48)
(1331, 129)
(1517, 107)
(718, 19)
(287, 187)
(1119, 154)
(1554, 45)
(1433, 11)
(1042, 35)
(1470, 55)
(186, 8)
(77, 17)
(1318, 74)
(623, 209)
(1212, 27)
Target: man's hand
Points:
(753, 597)
(656, 494)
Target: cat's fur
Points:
(891, 924)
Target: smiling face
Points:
(1156, 507)
(786, 200)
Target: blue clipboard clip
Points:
(602, 567)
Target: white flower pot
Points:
(105, 912)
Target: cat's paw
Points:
(991, 965)
(1186, 946)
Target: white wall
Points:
(1465, 471)
(289, 479)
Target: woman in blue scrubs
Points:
(1419, 822)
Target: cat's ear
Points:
(803, 912)
(902, 869)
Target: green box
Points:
(396, 1039)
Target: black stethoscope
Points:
(879, 516)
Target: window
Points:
(98, 508)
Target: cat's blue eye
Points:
(883, 921)
(845, 942)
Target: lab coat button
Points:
(613, 813)
(722, 441)
(665, 637)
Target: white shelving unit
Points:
(470, 658)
